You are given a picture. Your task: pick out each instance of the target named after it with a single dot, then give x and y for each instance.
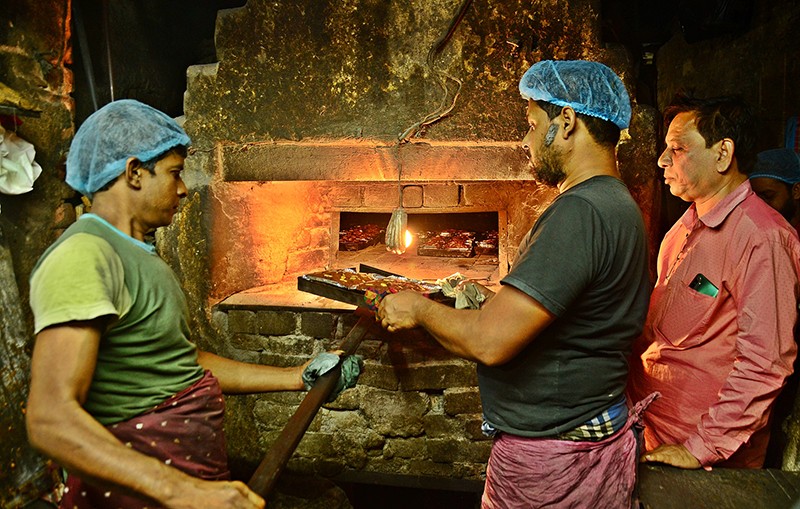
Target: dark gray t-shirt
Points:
(585, 260)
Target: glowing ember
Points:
(409, 238)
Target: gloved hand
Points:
(326, 361)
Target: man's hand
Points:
(351, 366)
(671, 454)
(397, 311)
(223, 495)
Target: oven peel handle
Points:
(276, 458)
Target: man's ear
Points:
(569, 121)
(796, 191)
(133, 173)
(725, 148)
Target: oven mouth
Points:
(359, 238)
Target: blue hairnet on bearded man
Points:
(109, 136)
(781, 164)
(587, 87)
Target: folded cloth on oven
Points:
(18, 169)
(326, 361)
(466, 293)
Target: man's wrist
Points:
(419, 310)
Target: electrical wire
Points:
(396, 229)
(443, 110)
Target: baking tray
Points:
(364, 243)
(466, 252)
(426, 247)
(354, 297)
(333, 292)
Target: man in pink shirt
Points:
(718, 343)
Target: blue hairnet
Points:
(587, 87)
(780, 164)
(109, 136)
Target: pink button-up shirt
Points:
(719, 358)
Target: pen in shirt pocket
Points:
(701, 284)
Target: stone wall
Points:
(357, 68)
(760, 65)
(34, 54)
(416, 410)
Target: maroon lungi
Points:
(185, 431)
(547, 473)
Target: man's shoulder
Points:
(605, 196)
(75, 254)
(600, 189)
(90, 234)
(599, 184)
(755, 225)
(764, 221)
(85, 240)
(77, 244)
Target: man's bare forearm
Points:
(492, 335)
(241, 377)
(67, 434)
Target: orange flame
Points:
(409, 238)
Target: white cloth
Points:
(18, 170)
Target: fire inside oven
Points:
(438, 244)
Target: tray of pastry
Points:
(486, 243)
(350, 285)
(446, 243)
(358, 237)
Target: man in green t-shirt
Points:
(120, 396)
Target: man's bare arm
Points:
(242, 377)
(62, 367)
(492, 335)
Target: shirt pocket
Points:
(684, 320)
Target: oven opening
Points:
(438, 244)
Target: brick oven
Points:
(295, 135)
(290, 201)
(416, 411)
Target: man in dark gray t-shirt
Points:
(552, 343)
(585, 262)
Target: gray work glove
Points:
(466, 293)
(326, 361)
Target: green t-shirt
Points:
(145, 356)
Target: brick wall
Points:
(415, 411)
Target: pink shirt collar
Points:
(714, 217)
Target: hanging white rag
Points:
(18, 170)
